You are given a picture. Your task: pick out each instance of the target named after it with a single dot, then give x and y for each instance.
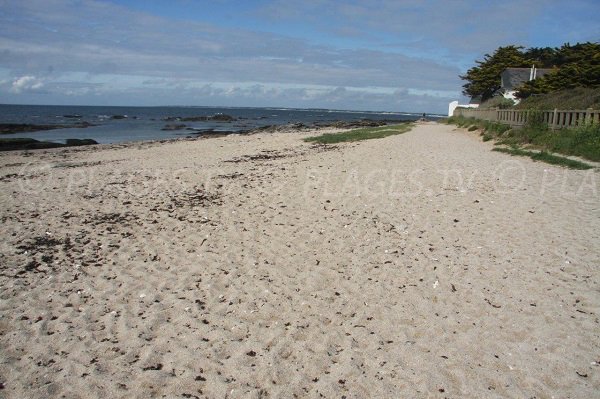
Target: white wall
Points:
(454, 104)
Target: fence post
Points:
(554, 121)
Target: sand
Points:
(420, 265)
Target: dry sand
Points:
(420, 265)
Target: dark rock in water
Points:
(208, 133)
(222, 118)
(8, 128)
(203, 131)
(118, 117)
(360, 123)
(12, 144)
(194, 119)
(214, 118)
(176, 126)
(25, 144)
(79, 142)
(80, 125)
(290, 127)
(72, 116)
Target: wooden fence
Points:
(556, 119)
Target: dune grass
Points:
(361, 134)
(495, 128)
(546, 157)
(582, 141)
(575, 98)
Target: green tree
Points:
(576, 66)
(542, 57)
(484, 79)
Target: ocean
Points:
(125, 124)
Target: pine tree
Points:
(484, 79)
(573, 66)
(576, 66)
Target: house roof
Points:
(512, 78)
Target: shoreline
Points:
(143, 123)
(29, 144)
(248, 265)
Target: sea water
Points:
(124, 124)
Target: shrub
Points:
(497, 102)
(577, 98)
(582, 141)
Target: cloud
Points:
(371, 48)
(193, 50)
(26, 83)
(54, 38)
(452, 30)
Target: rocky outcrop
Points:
(360, 123)
(13, 144)
(214, 118)
(174, 126)
(8, 128)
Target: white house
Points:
(510, 81)
(513, 78)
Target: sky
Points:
(373, 55)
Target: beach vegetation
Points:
(546, 157)
(582, 141)
(577, 98)
(497, 102)
(484, 126)
(361, 134)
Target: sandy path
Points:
(420, 265)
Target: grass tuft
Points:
(361, 134)
(582, 141)
(546, 157)
(474, 124)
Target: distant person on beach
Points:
(423, 117)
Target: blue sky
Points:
(379, 55)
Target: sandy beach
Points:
(416, 266)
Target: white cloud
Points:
(26, 83)
(100, 50)
(94, 37)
